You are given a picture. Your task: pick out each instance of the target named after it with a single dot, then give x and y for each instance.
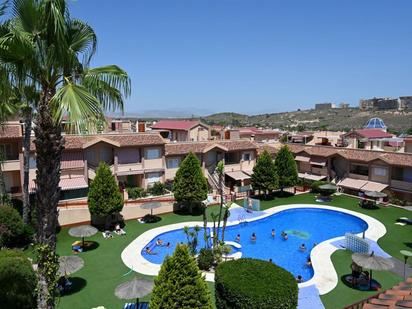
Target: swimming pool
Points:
(303, 225)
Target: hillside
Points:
(332, 119)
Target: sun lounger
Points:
(404, 220)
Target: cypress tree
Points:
(264, 177)
(104, 196)
(286, 168)
(180, 283)
(190, 185)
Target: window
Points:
(152, 153)
(402, 174)
(380, 171)
(359, 169)
(246, 156)
(152, 177)
(173, 162)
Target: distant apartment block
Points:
(405, 103)
(324, 106)
(343, 105)
(401, 103)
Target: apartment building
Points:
(136, 159)
(357, 169)
(379, 104)
(370, 139)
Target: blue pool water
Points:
(303, 225)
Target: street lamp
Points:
(406, 254)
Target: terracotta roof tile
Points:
(10, 131)
(361, 155)
(200, 147)
(123, 140)
(175, 124)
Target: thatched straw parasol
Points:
(372, 262)
(135, 288)
(82, 231)
(70, 264)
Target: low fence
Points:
(76, 211)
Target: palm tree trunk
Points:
(26, 167)
(49, 146)
(221, 205)
(2, 182)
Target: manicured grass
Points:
(104, 269)
(343, 295)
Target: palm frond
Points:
(77, 104)
(108, 83)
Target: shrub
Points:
(150, 218)
(251, 283)
(18, 281)
(264, 177)
(169, 185)
(104, 196)
(205, 259)
(189, 185)
(180, 283)
(286, 168)
(136, 192)
(12, 228)
(315, 186)
(157, 189)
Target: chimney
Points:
(141, 126)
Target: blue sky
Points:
(253, 56)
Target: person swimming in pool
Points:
(270, 260)
(150, 251)
(299, 279)
(159, 242)
(253, 237)
(237, 239)
(273, 233)
(302, 247)
(167, 245)
(284, 235)
(308, 262)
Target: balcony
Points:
(233, 167)
(130, 169)
(323, 171)
(11, 165)
(401, 185)
(153, 164)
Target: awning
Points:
(374, 186)
(65, 184)
(238, 175)
(311, 176)
(352, 183)
(302, 159)
(318, 161)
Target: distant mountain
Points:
(332, 119)
(172, 113)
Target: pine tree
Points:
(264, 177)
(286, 168)
(180, 283)
(104, 197)
(190, 185)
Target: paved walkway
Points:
(399, 266)
(308, 298)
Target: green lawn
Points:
(104, 269)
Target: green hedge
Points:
(135, 192)
(251, 283)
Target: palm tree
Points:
(220, 169)
(49, 49)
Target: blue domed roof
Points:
(375, 123)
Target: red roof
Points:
(175, 124)
(373, 133)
